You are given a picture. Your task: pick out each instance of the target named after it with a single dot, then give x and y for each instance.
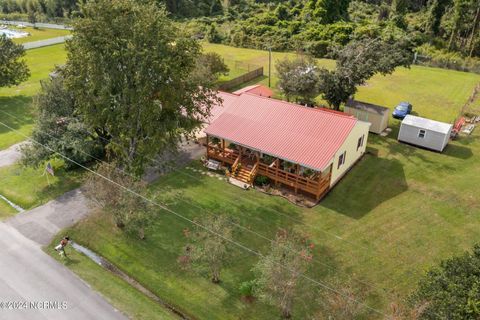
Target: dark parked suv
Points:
(402, 110)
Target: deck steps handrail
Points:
(235, 165)
(253, 173)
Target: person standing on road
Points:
(61, 247)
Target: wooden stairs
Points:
(243, 172)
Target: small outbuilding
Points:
(425, 133)
(376, 115)
(258, 89)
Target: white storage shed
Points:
(425, 133)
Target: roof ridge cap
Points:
(300, 106)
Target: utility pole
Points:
(269, 67)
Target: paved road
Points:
(11, 155)
(28, 274)
(40, 25)
(43, 223)
(45, 43)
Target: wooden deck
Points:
(227, 156)
(316, 187)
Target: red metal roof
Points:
(217, 109)
(309, 137)
(257, 89)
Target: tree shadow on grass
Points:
(20, 109)
(371, 182)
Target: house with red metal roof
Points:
(305, 149)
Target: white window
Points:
(421, 133)
(341, 159)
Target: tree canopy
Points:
(60, 127)
(357, 62)
(208, 244)
(129, 70)
(279, 273)
(451, 290)
(298, 79)
(444, 30)
(13, 69)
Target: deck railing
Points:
(228, 155)
(293, 180)
(253, 173)
(315, 187)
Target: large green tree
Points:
(298, 79)
(326, 11)
(60, 128)
(451, 290)
(129, 70)
(13, 69)
(357, 62)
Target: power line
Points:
(191, 203)
(336, 237)
(238, 244)
(211, 212)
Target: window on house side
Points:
(341, 159)
(360, 142)
(421, 134)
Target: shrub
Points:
(247, 288)
(215, 141)
(432, 57)
(262, 180)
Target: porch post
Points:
(276, 172)
(208, 147)
(297, 172)
(223, 152)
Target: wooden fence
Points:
(235, 82)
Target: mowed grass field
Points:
(392, 217)
(17, 100)
(39, 34)
(435, 93)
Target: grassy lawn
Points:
(28, 187)
(5, 210)
(118, 293)
(435, 93)
(39, 34)
(17, 100)
(392, 217)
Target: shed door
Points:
(362, 115)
